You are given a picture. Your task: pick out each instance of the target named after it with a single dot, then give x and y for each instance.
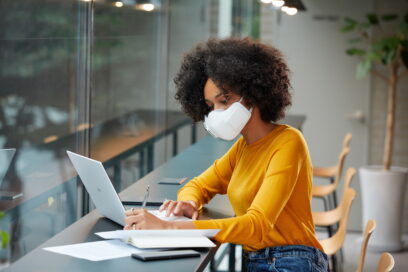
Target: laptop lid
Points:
(99, 187)
(6, 157)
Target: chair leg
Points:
(212, 265)
(341, 257)
(334, 199)
(325, 204)
(231, 258)
(334, 263)
(329, 231)
(243, 262)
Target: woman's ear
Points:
(246, 103)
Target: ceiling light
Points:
(148, 7)
(278, 3)
(266, 1)
(119, 4)
(290, 11)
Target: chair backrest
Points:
(340, 164)
(333, 216)
(347, 140)
(386, 263)
(332, 244)
(369, 228)
(348, 178)
(335, 170)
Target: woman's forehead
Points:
(211, 91)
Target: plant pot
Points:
(383, 199)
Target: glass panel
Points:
(246, 14)
(92, 77)
(40, 45)
(129, 66)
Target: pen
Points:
(183, 180)
(146, 196)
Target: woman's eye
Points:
(226, 99)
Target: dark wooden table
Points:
(190, 162)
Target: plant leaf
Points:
(4, 239)
(355, 52)
(373, 19)
(363, 68)
(387, 44)
(347, 28)
(350, 24)
(388, 56)
(389, 17)
(374, 56)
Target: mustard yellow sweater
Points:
(269, 186)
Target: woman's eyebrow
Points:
(218, 95)
(215, 97)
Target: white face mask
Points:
(227, 124)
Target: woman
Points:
(239, 86)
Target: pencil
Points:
(183, 180)
(146, 196)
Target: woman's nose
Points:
(220, 107)
(217, 107)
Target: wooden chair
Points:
(386, 263)
(333, 173)
(329, 218)
(369, 228)
(325, 192)
(333, 244)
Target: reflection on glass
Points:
(39, 46)
(127, 102)
(76, 68)
(6, 156)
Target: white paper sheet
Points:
(96, 251)
(170, 242)
(125, 234)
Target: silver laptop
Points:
(99, 187)
(6, 157)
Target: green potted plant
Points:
(4, 236)
(382, 46)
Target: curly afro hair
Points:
(253, 70)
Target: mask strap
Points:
(250, 110)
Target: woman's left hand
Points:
(137, 219)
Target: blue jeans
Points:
(286, 259)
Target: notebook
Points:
(179, 238)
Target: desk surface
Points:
(204, 153)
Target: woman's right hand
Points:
(180, 208)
